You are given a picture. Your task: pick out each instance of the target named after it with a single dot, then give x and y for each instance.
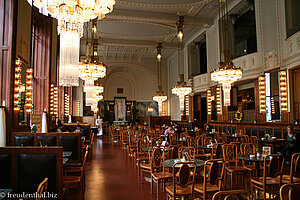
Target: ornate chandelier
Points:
(160, 97)
(227, 73)
(71, 15)
(92, 71)
(181, 90)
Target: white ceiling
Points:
(131, 32)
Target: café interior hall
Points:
(150, 99)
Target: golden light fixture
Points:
(17, 85)
(219, 109)
(55, 101)
(67, 105)
(208, 98)
(179, 25)
(160, 97)
(187, 106)
(283, 90)
(272, 105)
(28, 90)
(227, 73)
(181, 90)
(262, 93)
(77, 108)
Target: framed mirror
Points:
(273, 113)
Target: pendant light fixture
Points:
(160, 97)
(227, 73)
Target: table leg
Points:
(257, 169)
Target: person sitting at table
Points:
(168, 131)
(79, 129)
(290, 148)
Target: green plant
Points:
(33, 128)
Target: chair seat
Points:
(73, 164)
(209, 188)
(71, 179)
(287, 178)
(142, 158)
(233, 169)
(145, 166)
(161, 175)
(269, 181)
(181, 191)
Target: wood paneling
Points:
(296, 90)
(7, 51)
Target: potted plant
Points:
(33, 128)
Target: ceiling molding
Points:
(157, 18)
(134, 43)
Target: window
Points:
(203, 58)
(245, 41)
(292, 17)
(120, 90)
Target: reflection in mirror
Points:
(272, 97)
(19, 91)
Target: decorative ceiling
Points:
(131, 32)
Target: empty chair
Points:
(232, 195)
(183, 181)
(290, 191)
(294, 176)
(42, 189)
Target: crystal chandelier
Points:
(71, 15)
(181, 90)
(227, 73)
(160, 97)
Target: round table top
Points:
(205, 147)
(171, 162)
(147, 149)
(252, 159)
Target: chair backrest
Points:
(290, 191)
(206, 141)
(273, 166)
(231, 195)
(191, 151)
(213, 173)
(184, 178)
(191, 142)
(42, 189)
(244, 138)
(230, 153)
(156, 160)
(253, 140)
(85, 156)
(247, 149)
(173, 153)
(217, 151)
(295, 167)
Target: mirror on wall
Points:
(272, 97)
(20, 92)
(214, 114)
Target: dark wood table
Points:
(257, 160)
(169, 163)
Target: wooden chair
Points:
(231, 166)
(232, 195)
(76, 177)
(183, 181)
(146, 167)
(190, 150)
(217, 151)
(272, 175)
(254, 140)
(248, 149)
(158, 174)
(42, 190)
(290, 191)
(245, 139)
(294, 176)
(212, 179)
(173, 152)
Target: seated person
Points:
(79, 129)
(60, 127)
(290, 147)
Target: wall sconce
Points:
(28, 90)
(17, 87)
(179, 25)
(208, 96)
(67, 105)
(283, 90)
(53, 100)
(272, 106)
(219, 111)
(262, 93)
(77, 108)
(187, 106)
(164, 108)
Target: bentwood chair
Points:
(217, 151)
(212, 179)
(254, 140)
(272, 176)
(231, 166)
(158, 174)
(290, 191)
(191, 151)
(294, 176)
(183, 180)
(42, 189)
(232, 195)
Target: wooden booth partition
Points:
(23, 169)
(69, 141)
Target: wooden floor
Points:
(110, 175)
